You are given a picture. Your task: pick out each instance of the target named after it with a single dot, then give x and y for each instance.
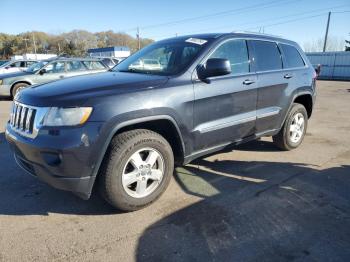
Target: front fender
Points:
(109, 129)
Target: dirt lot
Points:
(255, 203)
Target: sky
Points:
(298, 20)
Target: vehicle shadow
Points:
(246, 210)
(255, 211)
(258, 145)
(5, 99)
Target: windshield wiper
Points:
(132, 71)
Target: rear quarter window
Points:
(266, 55)
(292, 56)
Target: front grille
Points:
(22, 119)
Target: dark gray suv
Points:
(173, 101)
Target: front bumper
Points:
(5, 90)
(63, 158)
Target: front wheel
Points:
(17, 87)
(293, 131)
(136, 170)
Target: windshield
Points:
(36, 66)
(162, 58)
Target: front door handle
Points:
(287, 76)
(248, 82)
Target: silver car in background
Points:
(47, 71)
(15, 66)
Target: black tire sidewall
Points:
(297, 108)
(116, 193)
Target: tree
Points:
(74, 43)
(316, 45)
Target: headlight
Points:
(1, 81)
(67, 116)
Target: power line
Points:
(264, 20)
(288, 21)
(341, 12)
(214, 15)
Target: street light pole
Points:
(25, 41)
(138, 38)
(34, 43)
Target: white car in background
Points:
(16, 66)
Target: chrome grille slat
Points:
(15, 115)
(23, 115)
(29, 117)
(11, 117)
(23, 119)
(18, 118)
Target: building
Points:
(33, 56)
(113, 51)
(334, 65)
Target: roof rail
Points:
(255, 33)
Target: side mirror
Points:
(42, 71)
(214, 67)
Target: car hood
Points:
(14, 74)
(77, 90)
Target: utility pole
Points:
(25, 41)
(326, 35)
(34, 43)
(138, 38)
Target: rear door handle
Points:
(61, 76)
(287, 76)
(248, 82)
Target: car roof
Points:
(70, 59)
(212, 36)
(23, 60)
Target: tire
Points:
(285, 139)
(17, 87)
(113, 174)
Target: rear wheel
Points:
(17, 87)
(293, 131)
(136, 170)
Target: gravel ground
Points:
(255, 203)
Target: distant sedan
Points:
(47, 71)
(15, 66)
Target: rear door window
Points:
(236, 52)
(29, 63)
(266, 55)
(94, 65)
(292, 56)
(75, 66)
(55, 67)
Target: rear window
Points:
(267, 55)
(292, 56)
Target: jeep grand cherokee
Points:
(126, 128)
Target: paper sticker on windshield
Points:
(196, 41)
